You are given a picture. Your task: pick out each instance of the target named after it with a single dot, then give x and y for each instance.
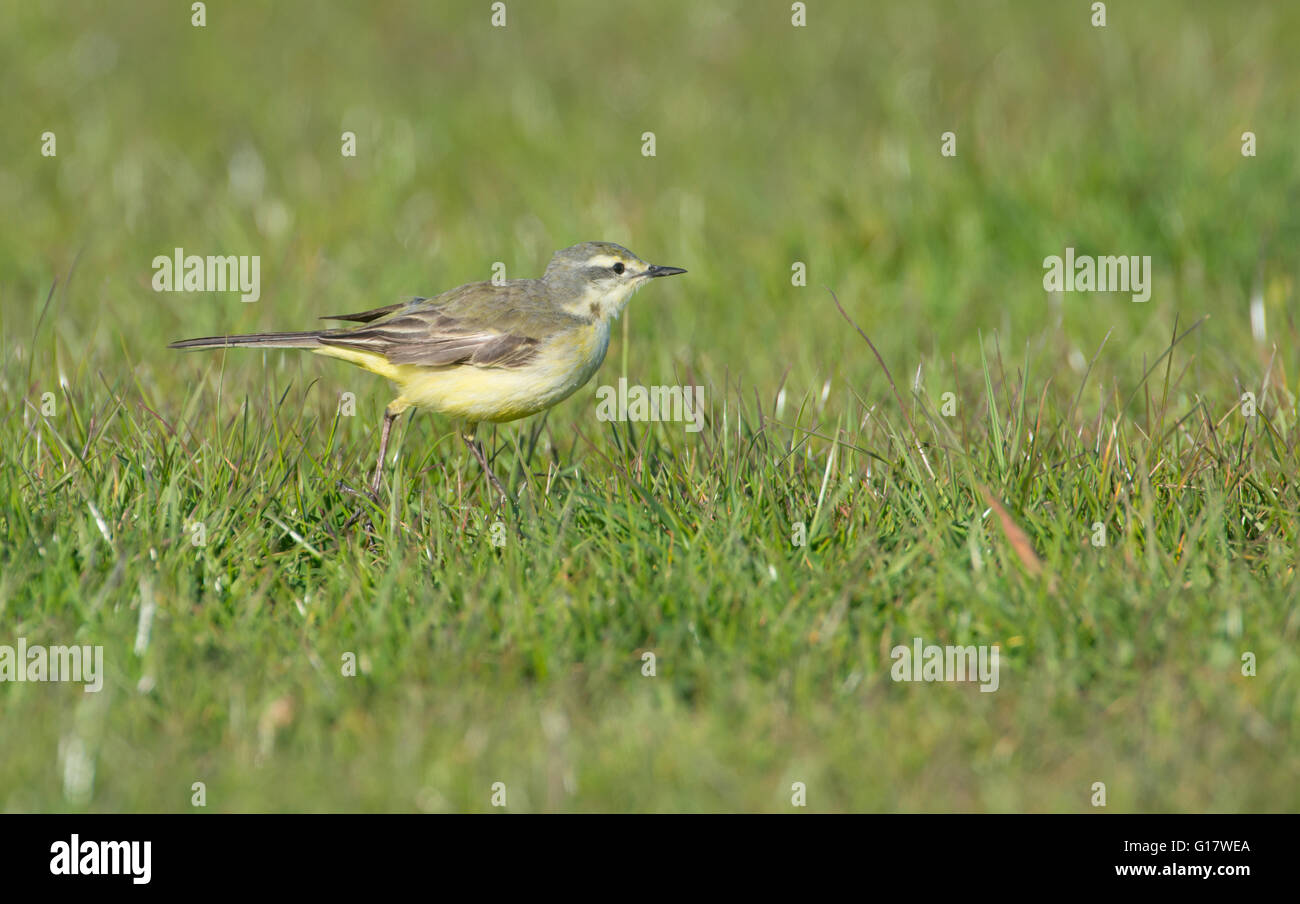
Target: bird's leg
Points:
(391, 414)
(477, 449)
(389, 417)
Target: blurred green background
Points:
(774, 144)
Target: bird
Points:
(485, 351)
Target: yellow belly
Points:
(563, 365)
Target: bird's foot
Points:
(371, 495)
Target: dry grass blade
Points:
(1018, 538)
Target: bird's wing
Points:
(479, 324)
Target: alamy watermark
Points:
(1109, 273)
(75, 857)
(183, 272)
(653, 403)
(82, 664)
(947, 663)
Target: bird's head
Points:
(596, 279)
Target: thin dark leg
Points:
(477, 450)
(389, 417)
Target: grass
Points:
(523, 662)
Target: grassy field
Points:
(498, 645)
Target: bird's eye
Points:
(619, 268)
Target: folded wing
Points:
(480, 325)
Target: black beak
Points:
(656, 270)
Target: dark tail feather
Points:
(375, 314)
(265, 340)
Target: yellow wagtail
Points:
(483, 351)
